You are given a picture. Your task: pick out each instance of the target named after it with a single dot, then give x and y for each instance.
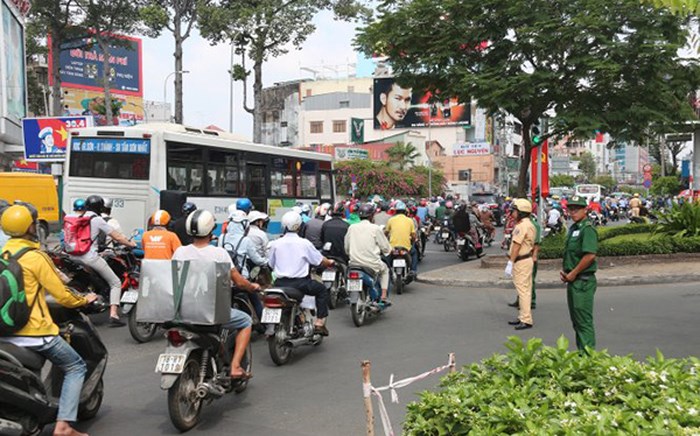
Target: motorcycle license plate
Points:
(354, 285)
(437, 228)
(461, 242)
(399, 263)
(445, 235)
(271, 316)
(130, 297)
(170, 363)
(328, 276)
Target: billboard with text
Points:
(397, 106)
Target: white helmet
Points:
(256, 215)
(305, 209)
(108, 202)
(200, 223)
(291, 221)
(231, 209)
(296, 209)
(323, 209)
(238, 216)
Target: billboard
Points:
(471, 149)
(12, 68)
(81, 63)
(401, 107)
(45, 139)
(83, 102)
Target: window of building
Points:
(339, 126)
(283, 124)
(344, 104)
(316, 126)
(308, 92)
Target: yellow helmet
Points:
(16, 220)
(507, 198)
(522, 205)
(636, 194)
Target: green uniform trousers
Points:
(534, 276)
(579, 296)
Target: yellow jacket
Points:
(39, 273)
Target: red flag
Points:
(599, 136)
(59, 131)
(545, 170)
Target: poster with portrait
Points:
(13, 65)
(46, 138)
(397, 106)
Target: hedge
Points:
(540, 390)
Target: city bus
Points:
(132, 165)
(590, 191)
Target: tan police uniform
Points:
(635, 205)
(524, 234)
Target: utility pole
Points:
(662, 154)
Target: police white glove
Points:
(509, 269)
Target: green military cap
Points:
(577, 200)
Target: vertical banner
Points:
(357, 130)
(545, 170)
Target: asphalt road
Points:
(319, 392)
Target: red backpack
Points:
(76, 234)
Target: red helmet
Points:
(423, 202)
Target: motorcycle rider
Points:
(383, 216)
(402, 233)
(159, 242)
(179, 226)
(40, 334)
(460, 220)
(486, 218)
(554, 219)
(312, 229)
(92, 207)
(334, 231)
(422, 211)
(107, 216)
(200, 225)
(290, 259)
(305, 213)
(365, 244)
(257, 223)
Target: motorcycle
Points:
(466, 246)
(437, 229)
(364, 295)
(333, 279)
(29, 402)
(195, 370)
(293, 315)
(449, 243)
(400, 260)
(424, 235)
(596, 219)
(442, 231)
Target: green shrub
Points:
(553, 246)
(540, 390)
(628, 229)
(681, 221)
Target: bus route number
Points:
(118, 203)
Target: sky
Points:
(206, 87)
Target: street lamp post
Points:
(165, 87)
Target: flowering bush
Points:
(379, 178)
(535, 389)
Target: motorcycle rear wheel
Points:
(280, 352)
(141, 331)
(398, 285)
(358, 311)
(333, 300)
(89, 410)
(183, 405)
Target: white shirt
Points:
(291, 256)
(97, 225)
(191, 252)
(553, 217)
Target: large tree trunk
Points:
(178, 67)
(104, 45)
(257, 99)
(523, 182)
(56, 94)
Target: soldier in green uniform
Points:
(579, 272)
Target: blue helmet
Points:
(79, 205)
(400, 206)
(188, 208)
(244, 204)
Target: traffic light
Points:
(536, 133)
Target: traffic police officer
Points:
(521, 262)
(535, 254)
(579, 272)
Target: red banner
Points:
(545, 170)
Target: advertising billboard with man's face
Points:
(397, 106)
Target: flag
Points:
(545, 170)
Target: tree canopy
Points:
(402, 155)
(607, 65)
(587, 166)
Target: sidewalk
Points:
(473, 274)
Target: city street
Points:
(320, 393)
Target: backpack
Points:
(76, 234)
(14, 311)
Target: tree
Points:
(680, 6)
(264, 29)
(105, 19)
(669, 185)
(402, 155)
(607, 65)
(178, 17)
(608, 182)
(561, 180)
(59, 19)
(587, 166)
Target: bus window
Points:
(282, 178)
(326, 186)
(256, 180)
(307, 187)
(109, 165)
(222, 167)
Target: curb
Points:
(556, 284)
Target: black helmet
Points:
(384, 206)
(338, 209)
(367, 211)
(95, 203)
(188, 208)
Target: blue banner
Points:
(685, 168)
(110, 145)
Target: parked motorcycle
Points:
(195, 369)
(364, 295)
(334, 280)
(293, 315)
(29, 402)
(400, 261)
